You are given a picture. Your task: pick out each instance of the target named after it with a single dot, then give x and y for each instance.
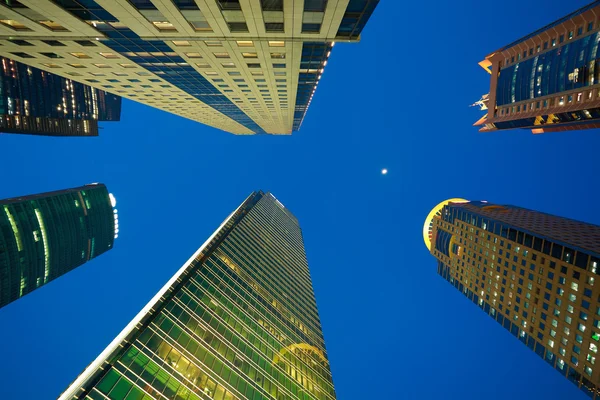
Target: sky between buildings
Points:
(394, 329)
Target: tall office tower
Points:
(238, 321)
(44, 236)
(534, 273)
(548, 80)
(36, 102)
(243, 66)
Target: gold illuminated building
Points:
(534, 273)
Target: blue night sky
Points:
(394, 329)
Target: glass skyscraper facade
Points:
(548, 80)
(238, 321)
(36, 102)
(46, 235)
(533, 273)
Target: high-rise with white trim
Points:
(44, 236)
(237, 321)
(533, 273)
(243, 66)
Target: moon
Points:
(384, 171)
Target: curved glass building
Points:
(44, 236)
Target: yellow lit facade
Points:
(243, 66)
(533, 273)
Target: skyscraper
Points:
(548, 80)
(44, 236)
(238, 321)
(533, 273)
(243, 66)
(36, 102)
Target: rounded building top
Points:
(436, 211)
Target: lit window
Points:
(193, 55)
(276, 43)
(221, 55)
(593, 348)
(181, 43)
(164, 26)
(245, 43)
(203, 65)
(15, 25)
(109, 55)
(50, 65)
(77, 65)
(54, 26)
(278, 55)
(228, 65)
(80, 55)
(250, 55)
(102, 65)
(127, 65)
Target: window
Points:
(77, 65)
(276, 43)
(193, 55)
(229, 4)
(109, 55)
(212, 43)
(80, 55)
(311, 28)
(237, 26)
(86, 43)
(278, 55)
(274, 27)
(278, 65)
(221, 55)
(228, 65)
(181, 43)
(250, 55)
(272, 5)
(22, 55)
(14, 25)
(51, 55)
(53, 43)
(253, 65)
(245, 43)
(53, 26)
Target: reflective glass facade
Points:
(46, 235)
(33, 101)
(572, 66)
(237, 321)
(534, 273)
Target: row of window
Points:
(569, 99)
(547, 44)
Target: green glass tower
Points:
(237, 321)
(44, 236)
